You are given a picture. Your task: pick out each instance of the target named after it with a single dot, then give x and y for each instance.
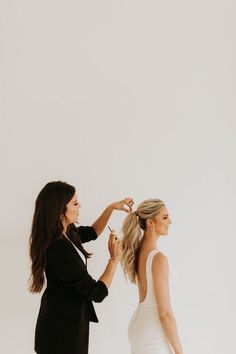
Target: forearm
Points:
(109, 272)
(100, 224)
(170, 328)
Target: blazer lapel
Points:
(77, 252)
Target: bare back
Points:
(141, 273)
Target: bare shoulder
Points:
(160, 263)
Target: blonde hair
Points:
(132, 234)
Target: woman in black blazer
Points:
(56, 250)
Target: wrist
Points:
(114, 260)
(110, 208)
(179, 351)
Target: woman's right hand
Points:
(114, 246)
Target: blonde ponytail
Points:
(131, 240)
(132, 235)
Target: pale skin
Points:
(114, 247)
(154, 229)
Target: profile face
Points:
(162, 221)
(72, 210)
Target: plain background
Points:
(123, 98)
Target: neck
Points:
(150, 239)
(64, 227)
(64, 230)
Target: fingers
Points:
(126, 209)
(124, 204)
(113, 245)
(119, 249)
(111, 237)
(129, 202)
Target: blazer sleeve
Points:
(68, 268)
(86, 233)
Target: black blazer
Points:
(66, 305)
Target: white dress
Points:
(146, 335)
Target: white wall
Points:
(123, 98)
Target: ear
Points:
(150, 223)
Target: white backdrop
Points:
(123, 98)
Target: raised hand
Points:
(124, 204)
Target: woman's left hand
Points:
(124, 204)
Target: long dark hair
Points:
(47, 228)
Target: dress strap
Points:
(149, 262)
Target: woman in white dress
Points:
(152, 329)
